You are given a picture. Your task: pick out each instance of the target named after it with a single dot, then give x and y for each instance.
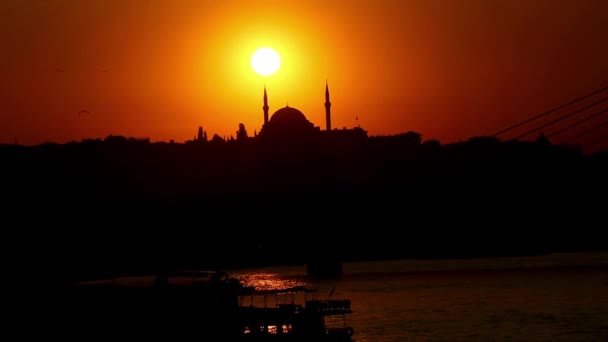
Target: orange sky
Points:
(159, 69)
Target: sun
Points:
(265, 61)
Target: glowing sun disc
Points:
(265, 61)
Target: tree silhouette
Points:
(241, 134)
(217, 139)
(200, 134)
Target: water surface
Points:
(558, 297)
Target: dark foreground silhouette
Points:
(208, 306)
(99, 208)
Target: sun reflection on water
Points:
(269, 281)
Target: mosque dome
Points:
(288, 123)
(288, 116)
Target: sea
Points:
(554, 297)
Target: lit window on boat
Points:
(272, 329)
(286, 329)
(246, 330)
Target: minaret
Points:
(327, 108)
(265, 106)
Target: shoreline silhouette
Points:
(296, 193)
(122, 204)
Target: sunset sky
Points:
(447, 69)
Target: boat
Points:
(293, 314)
(206, 305)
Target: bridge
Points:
(580, 121)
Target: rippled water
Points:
(504, 299)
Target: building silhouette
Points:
(290, 124)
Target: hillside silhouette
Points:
(106, 206)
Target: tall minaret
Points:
(265, 108)
(327, 108)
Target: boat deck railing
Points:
(311, 305)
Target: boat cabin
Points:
(293, 312)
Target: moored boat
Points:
(187, 304)
(293, 314)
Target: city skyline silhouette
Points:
(447, 71)
(579, 108)
(423, 102)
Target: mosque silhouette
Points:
(289, 125)
(290, 122)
